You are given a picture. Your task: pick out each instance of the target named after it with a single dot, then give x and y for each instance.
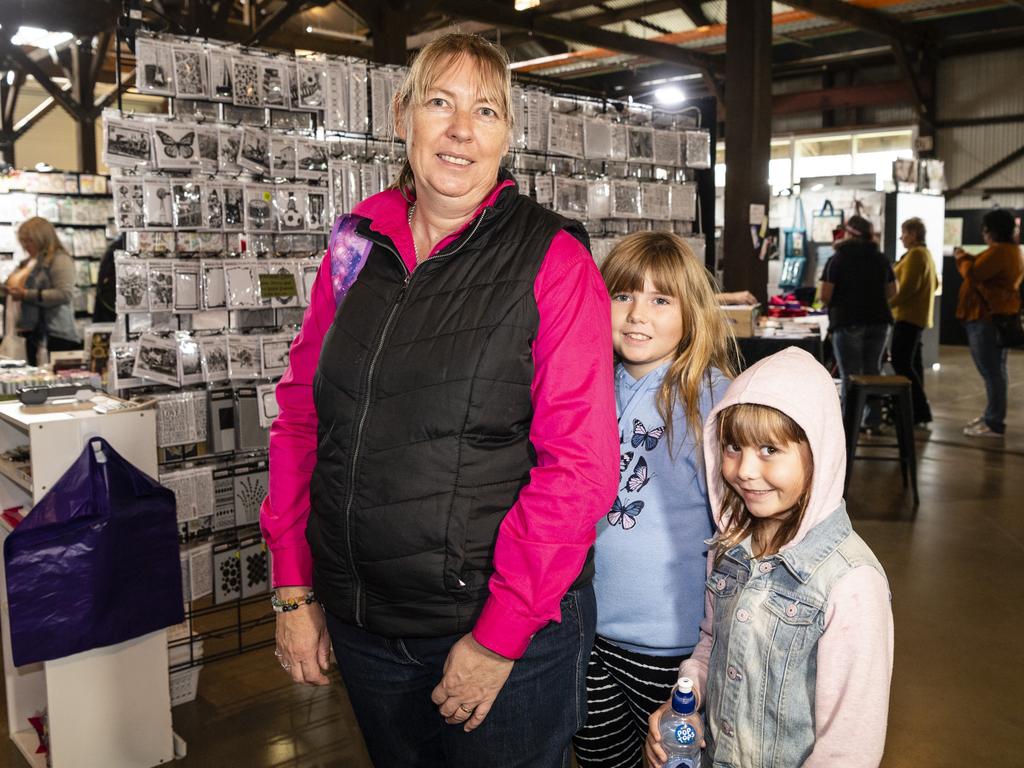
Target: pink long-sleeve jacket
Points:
(544, 538)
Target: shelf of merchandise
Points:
(109, 707)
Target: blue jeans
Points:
(858, 350)
(990, 360)
(531, 725)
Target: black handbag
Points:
(1009, 328)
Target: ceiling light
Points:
(817, 188)
(525, 5)
(10, 77)
(542, 60)
(335, 35)
(670, 95)
(40, 38)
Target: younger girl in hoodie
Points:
(674, 349)
(795, 655)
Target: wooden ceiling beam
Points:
(580, 32)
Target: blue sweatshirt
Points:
(650, 556)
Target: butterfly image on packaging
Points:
(642, 436)
(175, 147)
(625, 515)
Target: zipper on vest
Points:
(365, 409)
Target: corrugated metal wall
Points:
(983, 85)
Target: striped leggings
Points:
(623, 689)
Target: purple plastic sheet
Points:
(95, 562)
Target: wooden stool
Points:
(896, 389)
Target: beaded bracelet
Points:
(291, 603)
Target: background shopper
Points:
(857, 283)
(991, 285)
(913, 311)
(445, 445)
(46, 316)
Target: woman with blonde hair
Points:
(913, 312)
(675, 353)
(46, 316)
(445, 446)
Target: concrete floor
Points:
(957, 576)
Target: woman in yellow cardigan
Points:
(991, 286)
(912, 312)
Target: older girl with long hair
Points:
(675, 351)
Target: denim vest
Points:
(769, 616)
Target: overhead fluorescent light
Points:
(525, 5)
(541, 60)
(335, 35)
(670, 95)
(40, 38)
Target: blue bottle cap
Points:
(683, 700)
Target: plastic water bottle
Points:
(681, 728)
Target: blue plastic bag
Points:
(95, 562)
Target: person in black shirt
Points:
(104, 310)
(857, 283)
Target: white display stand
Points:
(109, 707)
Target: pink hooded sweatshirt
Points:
(854, 654)
(544, 539)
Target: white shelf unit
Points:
(109, 707)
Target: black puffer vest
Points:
(423, 400)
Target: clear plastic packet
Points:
(358, 117)
(290, 209)
(186, 286)
(245, 73)
(212, 202)
(259, 207)
(336, 98)
(233, 200)
(132, 281)
(625, 199)
(122, 365)
(655, 201)
(129, 208)
(221, 77)
(229, 144)
(158, 203)
(213, 288)
(282, 157)
(191, 73)
(311, 84)
(154, 67)
(214, 354)
(161, 285)
(316, 210)
(599, 203)
(188, 210)
(127, 143)
(158, 360)
(597, 138)
(640, 147)
(684, 202)
(240, 284)
(208, 140)
(565, 134)
(175, 146)
(666, 148)
(254, 151)
(571, 197)
(698, 148)
(243, 357)
(275, 90)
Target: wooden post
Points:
(84, 87)
(748, 108)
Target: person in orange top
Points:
(991, 286)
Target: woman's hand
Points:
(738, 297)
(16, 292)
(473, 678)
(303, 645)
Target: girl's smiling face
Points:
(647, 328)
(770, 478)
